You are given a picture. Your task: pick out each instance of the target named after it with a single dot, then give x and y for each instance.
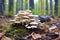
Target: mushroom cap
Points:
(28, 27)
(21, 11)
(25, 17)
(33, 23)
(28, 11)
(33, 26)
(17, 21)
(31, 15)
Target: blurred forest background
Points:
(39, 7)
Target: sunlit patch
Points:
(35, 1)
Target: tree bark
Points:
(1, 6)
(46, 6)
(31, 4)
(50, 7)
(56, 7)
(10, 5)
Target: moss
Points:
(20, 31)
(8, 28)
(16, 31)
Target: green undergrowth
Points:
(16, 31)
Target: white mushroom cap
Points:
(32, 19)
(28, 10)
(28, 27)
(21, 11)
(33, 23)
(31, 15)
(16, 18)
(25, 17)
(17, 21)
(33, 26)
(23, 20)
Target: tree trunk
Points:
(6, 7)
(1, 6)
(31, 4)
(56, 7)
(14, 6)
(46, 6)
(10, 5)
(50, 7)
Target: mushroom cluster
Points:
(25, 18)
